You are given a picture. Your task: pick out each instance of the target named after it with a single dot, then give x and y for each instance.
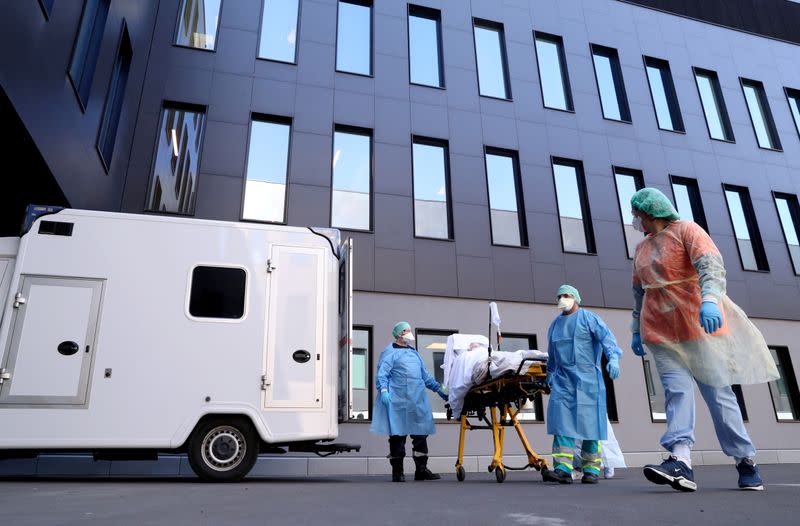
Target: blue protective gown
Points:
(402, 372)
(577, 406)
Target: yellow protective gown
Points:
(673, 272)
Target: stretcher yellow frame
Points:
(503, 397)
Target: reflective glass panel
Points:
(359, 374)
(354, 39)
(570, 209)
(197, 23)
(350, 207)
(267, 165)
(431, 215)
(660, 100)
(741, 230)
(431, 347)
(491, 62)
(626, 187)
(790, 230)
(278, 30)
(425, 54)
(548, 54)
(503, 200)
(608, 89)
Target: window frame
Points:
(673, 104)
(759, 253)
(435, 15)
(371, 6)
(445, 145)
(793, 93)
(499, 27)
(538, 401)
(296, 30)
(648, 368)
(719, 100)
(791, 385)
(355, 130)
(74, 82)
(273, 119)
(612, 54)
(433, 332)
(562, 59)
(588, 228)
(369, 329)
(695, 198)
(246, 299)
(522, 220)
(793, 203)
(766, 114)
(638, 181)
(123, 42)
(178, 26)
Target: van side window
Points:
(217, 292)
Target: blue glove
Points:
(710, 317)
(613, 369)
(441, 393)
(386, 398)
(636, 345)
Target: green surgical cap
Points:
(654, 203)
(399, 327)
(569, 289)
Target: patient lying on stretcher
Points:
(467, 364)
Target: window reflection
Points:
(360, 367)
(793, 97)
(431, 190)
(431, 346)
(553, 72)
(197, 23)
(267, 165)
(662, 90)
(504, 200)
(610, 84)
(352, 180)
(177, 161)
(490, 55)
(751, 249)
(719, 127)
(789, 213)
(532, 410)
(423, 42)
(785, 396)
(655, 392)
(628, 182)
(760, 114)
(354, 37)
(571, 200)
(278, 30)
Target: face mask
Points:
(566, 304)
(408, 337)
(637, 225)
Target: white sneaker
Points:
(608, 473)
(577, 475)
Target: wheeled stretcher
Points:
(503, 398)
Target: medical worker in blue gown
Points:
(576, 341)
(403, 408)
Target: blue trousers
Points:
(725, 413)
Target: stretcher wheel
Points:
(499, 474)
(460, 473)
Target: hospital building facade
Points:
(475, 151)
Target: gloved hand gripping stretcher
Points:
(481, 381)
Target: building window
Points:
(361, 374)
(687, 200)
(760, 114)
(611, 394)
(745, 227)
(665, 99)
(267, 168)
(789, 213)
(532, 410)
(198, 21)
(655, 391)
(431, 189)
(490, 53)
(628, 182)
(47, 7)
(553, 73)
(610, 84)
(87, 48)
(717, 120)
(425, 46)
(506, 207)
(793, 96)
(352, 179)
(431, 345)
(737, 390)
(354, 37)
(218, 292)
(116, 95)
(177, 159)
(785, 395)
(278, 40)
(577, 234)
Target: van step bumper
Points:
(323, 449)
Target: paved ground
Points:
(521, 500)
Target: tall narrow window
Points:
(87, 47)
(278, 39)
(425, 46)
(116, 95)
(687, 200)
(267, 166)
(611, 394)
(431, 189)
(760, 114)
(717, 120)
(198, 21)
(610, 84)
(532, 410)
(174, 182)
(577, 234)
(490, 53)
(793, 96)
(354, 37)
(431, 346)
(628, 182)
(785, 395)
(665, 99)
(789, 213)
(655, 391)
(507, 211)
(352, 179)
(553, 74)
(748, 237)
(737, 390)
(360, 368)
(47, 7)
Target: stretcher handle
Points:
(519, 369)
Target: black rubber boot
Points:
(422, 472)
(397, 469)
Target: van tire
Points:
(223, 449)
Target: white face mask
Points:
(637, 225)
(408, 337)
(566, 304)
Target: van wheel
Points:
(223, 449)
